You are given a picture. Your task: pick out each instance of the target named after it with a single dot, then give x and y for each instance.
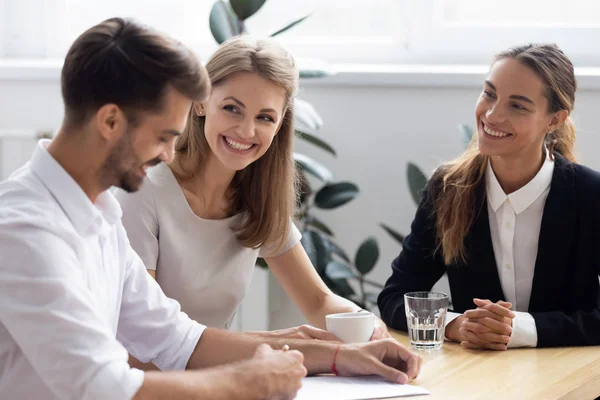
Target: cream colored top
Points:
(198, 262)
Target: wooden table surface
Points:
(517, 374)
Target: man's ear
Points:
(111, 122)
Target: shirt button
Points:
(508, 266)
(508, 225)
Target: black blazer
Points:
(565, 301)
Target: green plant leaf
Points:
(318, 224)
(289, 25)
(337, 270)
(306, 118)
(260, 262)
(313, 167)
(467, 133)
(342, 288)
(309, 247)
(223, 22)
(317, 249)
(396, 235)
(335, 195)
(316, 141)
(337, 250)
(367, 256)
(246, 8)
(372, 297)
(416, 182)
(314, 73)
(313, 68)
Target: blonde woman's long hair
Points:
(265, 191)
(453, 188)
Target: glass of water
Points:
(425, 317)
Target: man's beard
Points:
(120, 166)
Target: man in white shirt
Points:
(75, 298)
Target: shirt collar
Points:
(524, 197)
(88, 218)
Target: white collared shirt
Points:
(515, 222)
(74, 296)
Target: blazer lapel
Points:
(555, 241)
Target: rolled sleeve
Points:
(524, 333)
(122, 381)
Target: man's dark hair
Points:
(122, 62)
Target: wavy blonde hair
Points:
(454, 185)
(265, 191)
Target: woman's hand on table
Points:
(489, 326)
(299, 332)
(380, 331)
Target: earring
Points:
(199, 109)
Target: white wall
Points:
(30, 104)
(376, 131)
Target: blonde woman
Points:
(228, 197)
(515, 221)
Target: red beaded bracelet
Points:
(333, 368)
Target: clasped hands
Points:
(489, 326)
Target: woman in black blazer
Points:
(514, 221)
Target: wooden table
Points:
(517, 374)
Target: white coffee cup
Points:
(351, 327)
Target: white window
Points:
(339, 31)
(471, 31)
(46, 28)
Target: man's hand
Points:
(386, 358)
(487, 327)
(282, 371)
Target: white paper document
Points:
(358, 388)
